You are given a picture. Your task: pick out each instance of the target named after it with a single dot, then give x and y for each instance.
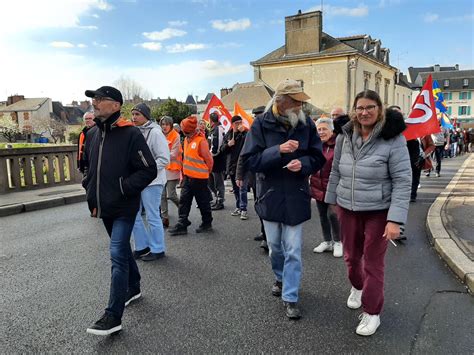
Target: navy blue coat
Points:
(282, 196)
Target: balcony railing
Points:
(31, 168)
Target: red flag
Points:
(247, 120)
(216, 105)
(422, 119)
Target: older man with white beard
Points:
(283, 149)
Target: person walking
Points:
(231, 147)
(197, 165)
(439, 140)
(150, 241)
(173, 170)
(89, 123)
(370, 184)
(216, 182)
(119, 166)
(318, 185)
(283, 149)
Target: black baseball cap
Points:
(106, 91)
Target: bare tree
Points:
(131, 90)
(54, 127)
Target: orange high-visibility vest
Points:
(175, 164)
(194, 165)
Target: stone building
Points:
(332, 70)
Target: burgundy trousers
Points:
(364, 253)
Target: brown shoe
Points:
(166, 222)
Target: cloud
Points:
(95, 16)
(151, 46)
(230, 45)
(82, 45)
(97, 44)
(177, 23)
(181, 48)
(164, 34)
(231, 25)
(61, 44)
(44, 14)
(276, 22)
(88, 27)
(430, 17)
(329, 10)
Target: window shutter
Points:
(468, 95)
(469, 110)
(459, 110)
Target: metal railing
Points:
(31, 168)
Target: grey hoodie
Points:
(159, 149)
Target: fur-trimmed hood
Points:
(394, 125)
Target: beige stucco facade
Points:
(334, 82)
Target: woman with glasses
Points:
(371, 182)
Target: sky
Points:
(173, 48)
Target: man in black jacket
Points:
(119, 165)
(216, 183)
(231, 147)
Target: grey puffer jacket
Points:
(375, 175)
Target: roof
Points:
(455, 77)
(248, 95)
(330, 46)
(413, 72)
(190, 100)
(403, 81)
(25, 105)
(72, 114)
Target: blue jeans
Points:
(284, 242)
(125, 274)
(152, 237)
(240, 193)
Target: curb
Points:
(42, 204)
(439, 237)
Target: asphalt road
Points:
(211, 294)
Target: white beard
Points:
(294, 117)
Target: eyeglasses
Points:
(101, 98)
(369, 108)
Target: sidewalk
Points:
(450, 223)
(32, 200)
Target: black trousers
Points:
(197, 188)
(439, 152)
(416, 174)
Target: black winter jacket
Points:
(282, 195)
(232, 152)
(215, 142)
(119, 165)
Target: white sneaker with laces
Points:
(236, 212)
(355, 298)
(337, 249)
(368, 324)
(244, 215)
(324, 246)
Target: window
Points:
(449, 110)
(464, 110)
(463, 95)
(377, 87)
(448, 95)
(446, 83)
(387, 84)
(366, 84)
(465, 82)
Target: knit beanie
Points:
(143, 109)
(189, 125)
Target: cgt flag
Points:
(216, 105)
(422, 119)
(247, 120)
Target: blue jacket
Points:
(282, 196)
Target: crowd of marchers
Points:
(357, 166)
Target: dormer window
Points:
(465, 82)
(446, 83)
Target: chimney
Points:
(14, 98)
(225, 91)
(303, 33)
(436, 67)
(456, 67)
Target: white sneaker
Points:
(324, 246)
(368, 324)
(355, 298)
(244, 215)
(236, 212)
(337, 249)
